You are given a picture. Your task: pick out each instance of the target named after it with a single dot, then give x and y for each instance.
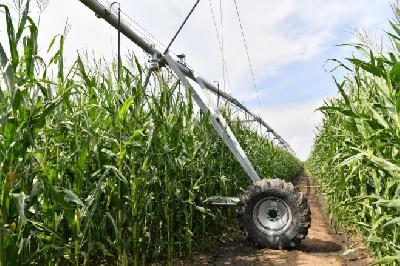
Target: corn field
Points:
(98, 171)
(356, 152)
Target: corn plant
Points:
(99, 171)
(356, 152)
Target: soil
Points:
(322, 246)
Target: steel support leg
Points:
(217, 120)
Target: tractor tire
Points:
(274, 214)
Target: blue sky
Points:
(289, 42)
(302, 81)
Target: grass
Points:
(356, 151)
(98, 171)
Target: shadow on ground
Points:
(318, 246)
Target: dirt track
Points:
(321, 247)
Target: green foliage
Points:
(92, 171)
(356, 152)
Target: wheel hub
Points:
(272, 215)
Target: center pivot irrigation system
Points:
(273, 213)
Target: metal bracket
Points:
(155, 61)
(217, 120)
(182, 59)
(223, 201)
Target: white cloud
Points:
(296, 124)
(278, 32)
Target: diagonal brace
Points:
(217, 120)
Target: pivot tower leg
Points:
(217, 120)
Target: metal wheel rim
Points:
(272, 215)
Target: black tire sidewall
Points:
(261, 238)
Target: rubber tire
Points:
(295, 200)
